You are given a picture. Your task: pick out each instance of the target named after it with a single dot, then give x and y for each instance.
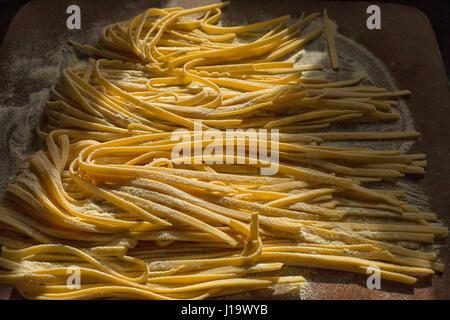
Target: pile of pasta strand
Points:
(110, 98)
(105, 196)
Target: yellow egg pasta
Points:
(106, 198)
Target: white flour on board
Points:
(18, 134)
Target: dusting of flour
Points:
(19, 121)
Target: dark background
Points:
(437, 11)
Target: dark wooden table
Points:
(406, 44)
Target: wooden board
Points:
(405, 43)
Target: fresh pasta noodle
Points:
(330, 39)
(106, 196)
